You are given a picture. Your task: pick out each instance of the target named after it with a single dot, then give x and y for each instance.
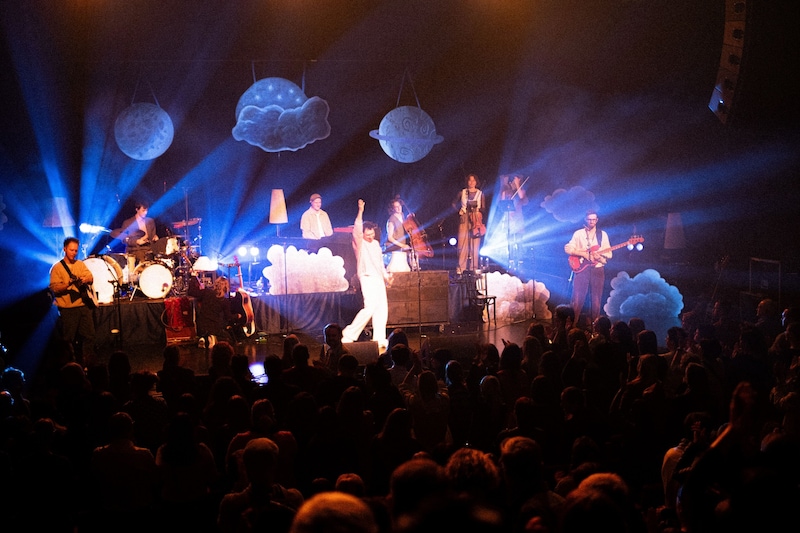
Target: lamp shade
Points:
(277, 208)
(58, 216)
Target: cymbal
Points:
(184, 223)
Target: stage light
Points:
(630, 247)
(91, 228)
(639, 247)
(254, 252)
(242, 250)
(452, 241)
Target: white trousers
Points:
(398, 262)
(376, 307)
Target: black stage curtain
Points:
(304, 312)
(139, 322)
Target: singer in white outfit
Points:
(373, 278)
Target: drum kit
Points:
(165, 273)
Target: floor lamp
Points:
(278, 216)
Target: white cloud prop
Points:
(275, 115)
(569, 205)
(517, 301)
(647, 296)
(306, 273)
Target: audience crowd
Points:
(574, 427)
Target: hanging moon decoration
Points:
(406, 134)
(143, 131)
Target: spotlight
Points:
(254, 252)
(242, 251)
(630, 247)
(639, 247)
(452, 241)
(91, 228)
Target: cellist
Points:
(470, 224)
(396, 238)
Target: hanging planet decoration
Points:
(143, 131)
(406, 134)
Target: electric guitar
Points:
(579, 264)
(242, 305)
(88, 295)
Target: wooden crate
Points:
(419, 298)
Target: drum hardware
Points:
(184, 223)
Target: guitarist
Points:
(585, 245)
(71, 284)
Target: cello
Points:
(419, 239)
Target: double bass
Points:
(419, 239)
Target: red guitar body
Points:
(579, 264)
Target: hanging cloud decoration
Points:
(275, 115)
(569, 205)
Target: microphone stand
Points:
(415, 263)
(117, 294)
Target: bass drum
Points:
(154, 279)
(107, 275)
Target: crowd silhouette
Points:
(573, 427)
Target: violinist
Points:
(396, 239)
(471, 228)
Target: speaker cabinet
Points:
(724, 95)
(419, 298)
(366, 352)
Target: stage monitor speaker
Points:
(366, 352)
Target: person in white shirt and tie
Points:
(315, 223)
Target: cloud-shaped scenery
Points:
(306, 272)
(569, 205)
(275, 115)
(648, 296)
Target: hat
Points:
(314, 197)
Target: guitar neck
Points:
(612, 248)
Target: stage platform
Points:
(427, 300)
(145, 326)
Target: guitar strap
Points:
(69, 272)
(64, 264)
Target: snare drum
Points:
(154, 279)
(107, 275)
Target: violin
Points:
(476, 219)
(419, 239)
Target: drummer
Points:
(138, 234)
